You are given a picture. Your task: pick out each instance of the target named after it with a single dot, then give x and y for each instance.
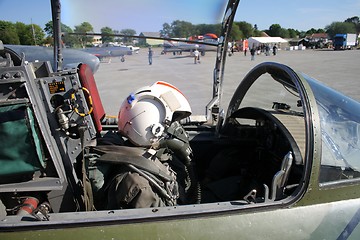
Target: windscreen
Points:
(340, 129)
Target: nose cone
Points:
(73, 57)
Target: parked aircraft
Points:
(71, 57)
(103, 52)
(178, 46)
(279, 165)
(134, 49)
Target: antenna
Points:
(33, 32)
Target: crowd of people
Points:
(261, 49)
(233, 47)
(254, 50)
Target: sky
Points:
(149, 15)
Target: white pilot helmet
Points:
(144, 114)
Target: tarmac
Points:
(115, 80)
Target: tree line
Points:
(21, 33)
(244, 30)
(33, 34)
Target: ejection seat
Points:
(37, 153)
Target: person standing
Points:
(274, 49)
(252, 52)
(150, 55)
(196, 56)
(267, 50)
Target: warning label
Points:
(56, 87)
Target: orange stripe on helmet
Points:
(169, 85)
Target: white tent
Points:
(256, 41)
